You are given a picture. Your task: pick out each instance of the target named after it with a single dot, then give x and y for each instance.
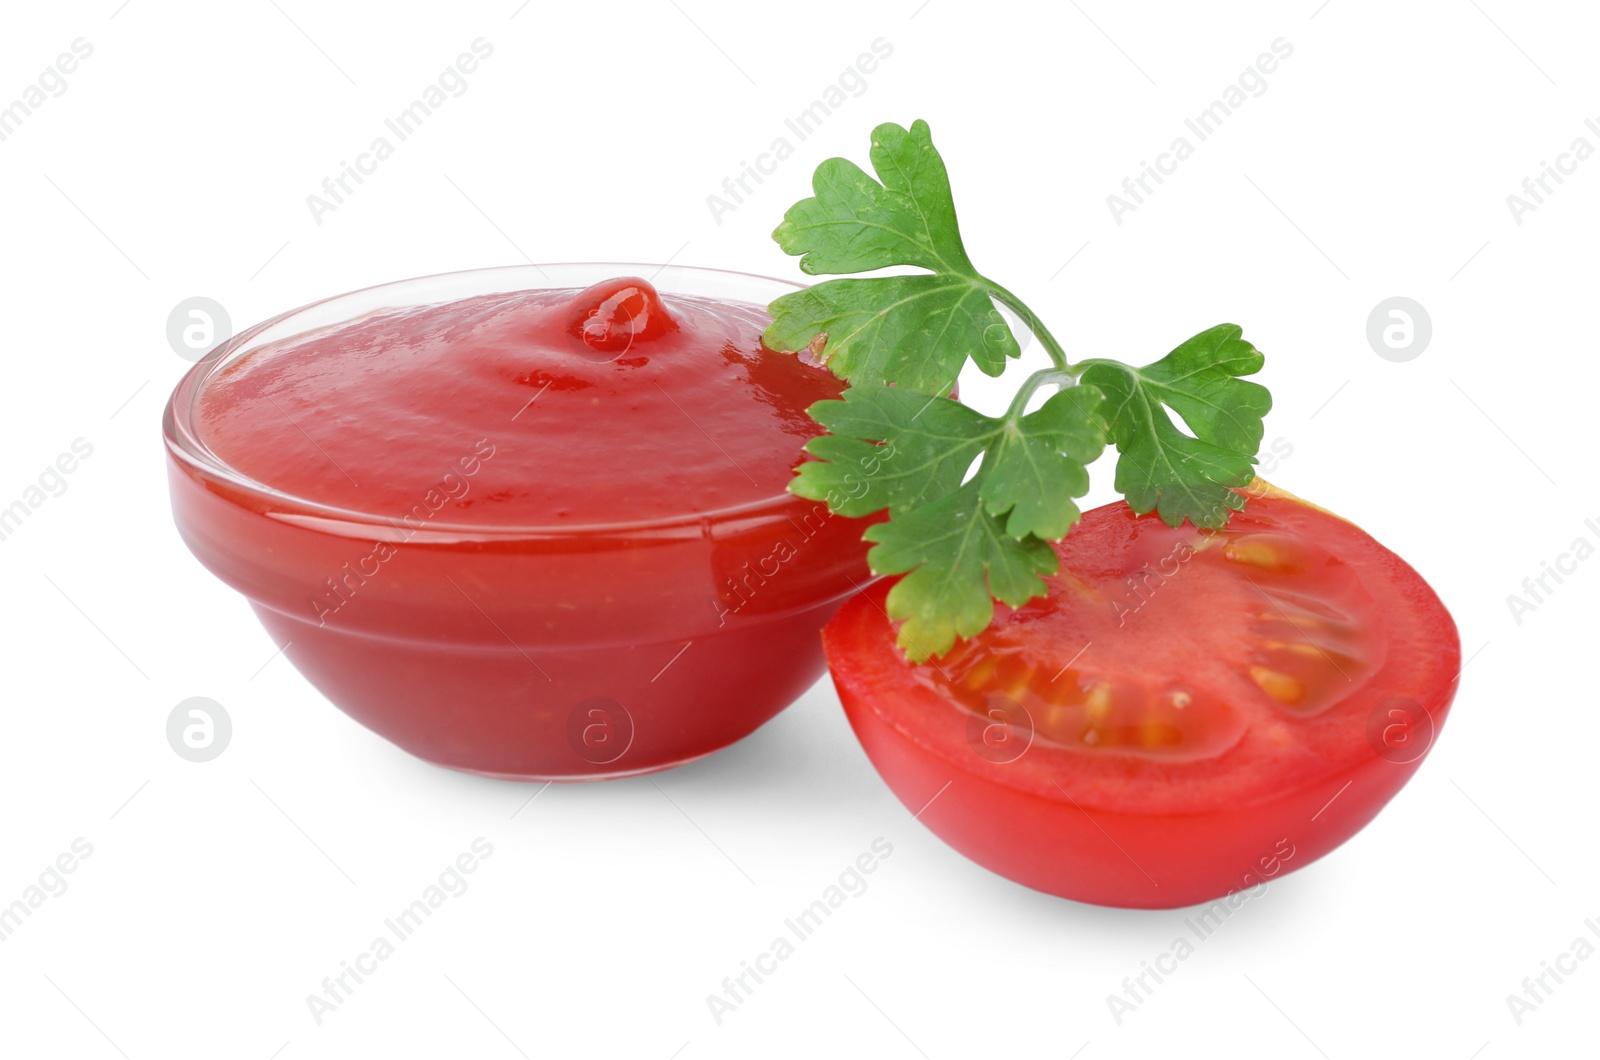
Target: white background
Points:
(218, 895)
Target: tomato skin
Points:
(1134, 861)
(1106, 851)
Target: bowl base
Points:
(570, 778)
(531, 712)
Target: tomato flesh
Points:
(1182, 708)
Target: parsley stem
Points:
(1058, 356)
(1062, 377)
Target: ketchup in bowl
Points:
(526, 522)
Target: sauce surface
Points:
(533, 408)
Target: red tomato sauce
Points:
(598, 409)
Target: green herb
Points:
(916, 331)
(1160, 467)
(963, 540)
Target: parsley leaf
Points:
(916, 330)
(954, 555)
(908, 452)
(1159, 467)
(1039, 463)
(856, 224)
(889, 448)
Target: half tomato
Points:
(1186, 715)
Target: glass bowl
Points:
(524, 652)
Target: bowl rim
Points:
(187, 450)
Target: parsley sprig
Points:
(900, 340)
